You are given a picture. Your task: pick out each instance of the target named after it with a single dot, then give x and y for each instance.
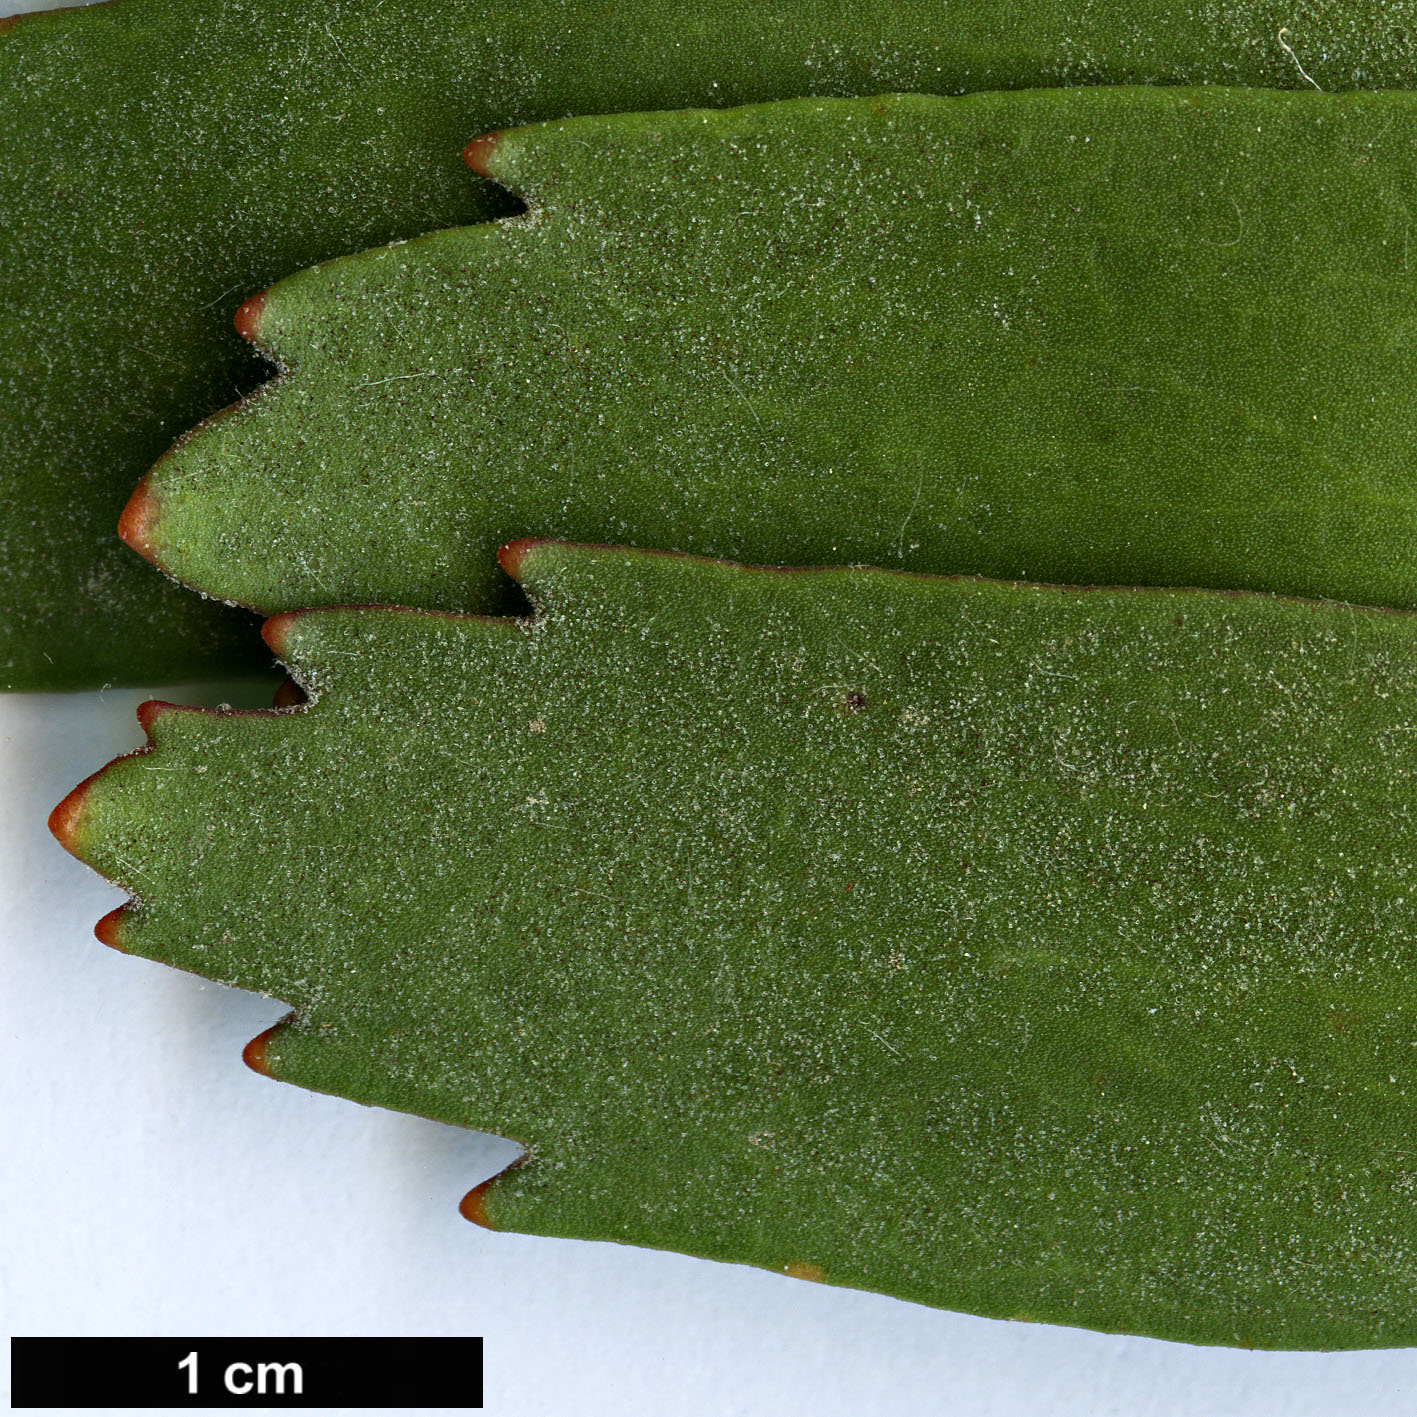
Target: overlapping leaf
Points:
(1132, 336)
(165, 158)
(1031, 951)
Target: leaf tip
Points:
(478, 153)
(135, 525)
(109, 930)
(248, 317)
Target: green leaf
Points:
(1090, 336)
(166, 158)
(1038, 952)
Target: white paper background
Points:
(151, 1184)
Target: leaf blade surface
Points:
(1087, 336)
(1034, 952)
(169, 158)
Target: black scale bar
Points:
(246, 1372)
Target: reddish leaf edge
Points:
(474, 1205)
(109, 930)
(138, 521)
(10, 22)
(142, 512)
(254, 1054)
(66, 821)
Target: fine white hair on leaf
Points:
(1290, 52)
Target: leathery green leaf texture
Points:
(166, 158)
(1093, 336)
(1032, 951)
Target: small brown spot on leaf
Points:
(1341, 1020)
(805, 1269)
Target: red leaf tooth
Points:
(473, 1205)
(254, 1053)
(139, 517)
(135, 524)
(109, 930)
(511, 556)
(275, 630)
(64, 820)
(248, 317)
(478, 153)
(150, 710)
